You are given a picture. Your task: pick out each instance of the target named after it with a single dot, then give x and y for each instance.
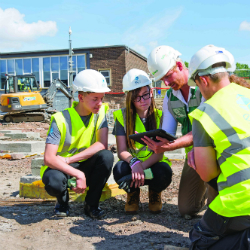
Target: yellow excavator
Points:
(23, 101)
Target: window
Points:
(19, 66)
(64, 69)
(27, 66)
(10, 67)
(106, 74)
(35, 68)
(2, 73)
(80, 63)
(46, 71)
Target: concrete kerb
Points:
(23, 146)
(31, 186)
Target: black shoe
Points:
(94, 212)
(61, 210)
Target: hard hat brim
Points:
(191, 83)
(214, 59)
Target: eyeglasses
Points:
(145, 97)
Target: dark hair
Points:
(239, 80)
(131, 115)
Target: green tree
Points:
(186, 64)
(241, 66)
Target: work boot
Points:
(94, 211)
(61, 210)
(132, 204)
(155, 202)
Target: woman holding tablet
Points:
(140, 115)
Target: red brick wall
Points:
(119, 61)
(134, 61)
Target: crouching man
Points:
(221, 152)
(76, 146)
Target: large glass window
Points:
(27, 66)
(64, 69)
(19, 66)
(46, 71)
(2, 73)
(80, 63)
(55, 68)
(35, 68)
(10, 67)
(74, 62)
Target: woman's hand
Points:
(137, 175)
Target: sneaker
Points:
(94, 212)
(61, 210)
(155, 203)
(132, 204)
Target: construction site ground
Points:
(30, 224)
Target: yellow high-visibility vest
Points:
(75, 137)
(226, 118)
(142, 152)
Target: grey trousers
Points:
(193, 192)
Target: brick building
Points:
(112, 61)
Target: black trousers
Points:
(97, 170)
(161, 171)
(216, 232)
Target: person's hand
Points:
(157, 147)
(191, 161)
(80, 183)
(137, 175)
(64, 159)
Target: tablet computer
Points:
(152, 135)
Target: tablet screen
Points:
(152, 135)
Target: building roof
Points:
(64, 51)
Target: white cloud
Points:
(245, 26)
(148, 34)
(14, 31)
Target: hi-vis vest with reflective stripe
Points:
(142, 152)
(180, 111)
(226, 118)
(75, 137)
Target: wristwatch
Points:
(133, 160)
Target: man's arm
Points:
(206, 163)
(100, 144)
(165, 145)
(55, 162)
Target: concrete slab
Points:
(23, 146)
(30, 178)
(10, 131)
(36, 165)
(23, 135)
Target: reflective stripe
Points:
(198, 96)
(73, 151)
(193, 103)
(237, 144)
(235, 178)
(68, 134)
(177, 104)
(169, 106)
(96, 116)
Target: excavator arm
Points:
(57, 84)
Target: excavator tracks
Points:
(27, 117)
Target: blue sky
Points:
(142, 25)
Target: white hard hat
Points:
(134, 79)
(232, 62)
(161, 60)
(203, 60)
(90, 80)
